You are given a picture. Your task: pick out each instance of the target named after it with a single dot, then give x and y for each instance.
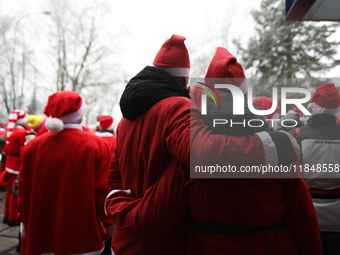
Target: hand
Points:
(296, 146)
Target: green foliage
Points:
(282, 49)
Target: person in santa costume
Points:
(160, 124)
(63, 184)
(266, 103)
(106, 124)
(227, 216)
(320, 152)
(38, 124)
(15, 141)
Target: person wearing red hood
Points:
(320, 152)
(106, 125)
(15, 141)
(63, 184)
(162, 194)
(266, 103)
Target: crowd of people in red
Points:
(73, 191)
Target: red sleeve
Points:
(208, 148)
(115, 180)
(300, 218)
(102, 187)
(162, 208)
(183, 133)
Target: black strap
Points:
(232, 229)
(13, 155)
(324, 194)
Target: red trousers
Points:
(11, 203)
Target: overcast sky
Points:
(151, 22)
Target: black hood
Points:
(147, 88)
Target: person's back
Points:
(62, 189)
(320, 140)
(107, 131)
(251, 204)
(144, 147)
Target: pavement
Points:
(8, 235)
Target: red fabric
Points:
(41, 132)
(295, 109)
(224, 65)
(63, 103)
(173, 53)
(326, 96)
(62, 189)
(4, 183)
(266, 103)
(297, 130)
(12, 203)
(145, 145)
(105, 121)
(251, 202)
(15, 146)
(110, 141)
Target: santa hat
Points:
(106, 122)
(266, 103)
(63, 107)
(37, 122)
(173, 57)
(224, 69)
(16, 117)
(325, 99)
(295, 111)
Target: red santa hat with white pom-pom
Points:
(325, 99)
(16, 117)
(63, 107)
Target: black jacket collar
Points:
(146, 89)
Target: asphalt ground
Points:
(8, 235)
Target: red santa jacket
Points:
(214, 202)
(15, 144)
(160, 125)
(109, 138)
(62, 189)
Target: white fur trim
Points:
(318, 109)
(177, 71)
(104, 134)
(54, 125)
(22, 230)
(73, 117)
(269, 148)
(127, 191)
(244, 87)
(112, 125)
(73, 126)
(12, 171)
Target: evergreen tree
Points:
(282, 49)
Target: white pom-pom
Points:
(54, 125)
